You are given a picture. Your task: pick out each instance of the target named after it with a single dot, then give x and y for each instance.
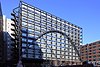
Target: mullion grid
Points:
(45, 27)
(37, 32)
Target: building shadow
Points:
(32, 54)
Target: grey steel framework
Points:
(52, 46)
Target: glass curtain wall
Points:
(52, 46)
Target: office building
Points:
(91, 53)
(7, 36)
(54, 48)
(5, 41)
(1, 37)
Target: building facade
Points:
(91, 53)
(1, 38)
(53, 47)
(7, 36)
(5, 41)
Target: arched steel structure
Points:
(69, 39)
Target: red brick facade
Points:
(91, 52)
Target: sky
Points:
(83, 13)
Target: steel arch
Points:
(69, 39)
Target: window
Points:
(30, 40)
(94, 59)
(23, 39)
(90, 60)
(24, 45)
(23, 34)
(89, 56)
(98, 59)
(94, 52)
(24, 29)
(90, 50)
(94, 46)
(94, 56)
(98, 48)
(98, 55)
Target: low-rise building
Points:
(91, 53)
